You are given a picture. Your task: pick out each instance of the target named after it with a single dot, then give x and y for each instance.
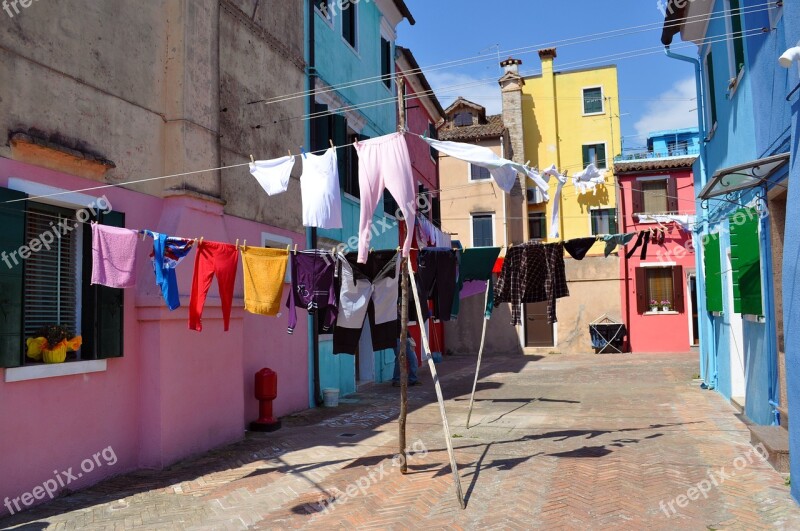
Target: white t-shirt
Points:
(319, 185)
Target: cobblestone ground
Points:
(563, 442)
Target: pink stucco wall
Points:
(657, 333)
(175, 392)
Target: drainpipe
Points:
(706, 332)
(311, 233)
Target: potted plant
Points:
(653, 305)
(50, 344)
(666, 306)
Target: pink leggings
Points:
(383, 162)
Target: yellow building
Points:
(570, 119)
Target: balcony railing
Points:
(661, 154)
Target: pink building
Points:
(658, 288)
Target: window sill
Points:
(36, 372)
(660, 313)
(594, 113)
(754, 318)
(353, 49)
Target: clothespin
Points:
(201, 240)
(295, 249)
(303, 152)
(288, 248)
(333, 251)
(372, 250)
(144, 234)
(245, 244)
(331, 141)
(237, 243)
(252, 160)
(290, 152)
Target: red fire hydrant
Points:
(266, 390)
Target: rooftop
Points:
(493, 128)
(624, 165)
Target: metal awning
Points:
(743, 176)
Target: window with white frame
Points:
(604, 221)
(350, 24)
(537, 225)
(711, 101)
(593, 100)
(478, 173)
(386, 62)
(482, 230)
(595, 154)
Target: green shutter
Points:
(586, 159)
(712, 263)
(601, 157)
(737, 36)
(320, 128)
(712, 94)
(110, 306)
(612, 221)
(746, 262)
(339, 127)
(12, 237)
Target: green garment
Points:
(476, 264)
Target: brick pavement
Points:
(562, 442)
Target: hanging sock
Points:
(113, 256)
(264, 276)
(384, 163)
(319, 187)
(644, 245)
(638, 244)
(273, 175)
(213, 258)
(613, 240)
(578, 247)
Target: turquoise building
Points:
(674, 143)
(741, 180)
(351, 59)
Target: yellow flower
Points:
(35, 347)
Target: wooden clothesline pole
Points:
(480, 354)
(402, 356)
(432, 366)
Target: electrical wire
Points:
(594, 37)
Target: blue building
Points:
(741, 181)
(351, 57)
(674, 143)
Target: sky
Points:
(656, 92)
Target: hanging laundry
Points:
(167, 253)
(532, 272)
(113, 256)
(384, 163)
(264, 276)
(437, 272)
(578, 247)
(684, 221)
(319, 188)
(313, 287)
(426, 233)
(273, 175)
(589, 179)
(639, 241)
(369, 289)
(476, 263)
(503, 171)
(475, 287)
(213, 258)
(553, 172)
(613, 240)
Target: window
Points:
(386, 62)
(433, 134)
(604, 221)
(662, 285)
(655, 196)
(53, 286)
(737, 38)
(333, 127)
(478, 173)
(537, 226)
(595, 154)
(593, 100)
(482, 230)
(712, 95)
(712, 266)
(350, 24)
(390, 206)
(463, 119)
(746, 262)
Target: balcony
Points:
(675, 152)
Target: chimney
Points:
(511, 65)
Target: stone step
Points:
(738, 403)
(776, 441)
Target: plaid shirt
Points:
(532, 272)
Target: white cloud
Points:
(673, 109)
(448, 86)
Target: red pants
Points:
(212, 258)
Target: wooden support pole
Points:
(402, 356)
(402, 360)
(438, 387)
(480, 354)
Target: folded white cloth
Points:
(273, 175)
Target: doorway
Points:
(538, 332)
(694, 318)
(735, 336)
